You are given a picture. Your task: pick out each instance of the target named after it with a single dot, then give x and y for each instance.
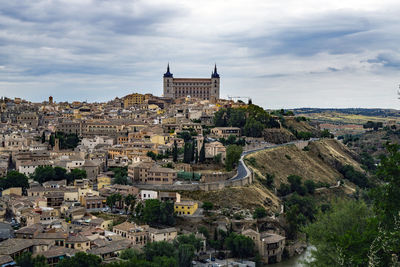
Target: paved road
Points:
(243, 171)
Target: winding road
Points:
(243, 171)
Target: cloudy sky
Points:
(308, 53)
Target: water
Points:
(296, 260)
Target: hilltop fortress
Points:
(201, 88)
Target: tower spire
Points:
(168, 74)
(215, 73)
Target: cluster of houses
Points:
(55, 219)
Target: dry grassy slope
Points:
(301, 126)
(307, 164)
(373, 142)
(247, 197)
(318, 164)
(278, 136)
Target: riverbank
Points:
(295, 261)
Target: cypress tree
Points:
(187, 153)
(202, 156)
(175, 152)
(43, 138)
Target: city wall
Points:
(200, 186)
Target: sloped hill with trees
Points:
(320, 161)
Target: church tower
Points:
(168, 83)
(214, 93)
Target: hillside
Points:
(373, 142)
(291, 129)
(247, 197)
(319, 163)
(349, 116)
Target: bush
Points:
(284, 189)
(207, 206)
(310, 186)
(355, 177)
(259, 213)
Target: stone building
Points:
(133, 99)
(270, 246)
(202, 88)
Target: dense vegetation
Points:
(362, 232)
(14, 179)
(120, 175)
(66, 141)
(155, 212)
(251, 120)
(296, 186)
(47, 173)
(233, 154)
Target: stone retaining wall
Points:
(216, 177)
(201, 186)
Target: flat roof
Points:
(192, 79)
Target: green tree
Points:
(26, 260)
(299, 210)
(139, 211)
(356, 177)
(158, 249)
(259, 213)
(175, 152)
(11, 164)
(203, 230)
(294, 182)
(284, 189)
(43, 174)
(75, 174)
(386, 196)
(217, 158)
(121, 180)
(129, 202)
(253, 128)
(129, 253)
(310, 186)
(60, 173)
(14, 179)
(188, 240)
(167, 213)
(151, 211)
(207, 206)
(202, 156)
(52, 140)
(343, 235)
(185, 255)
(269, 180)
(188, 152)
(152, 155)
(80, 259)
(233, 154)
(113, 199)
(43, 137)
(241, 246)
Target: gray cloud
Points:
(100, 49)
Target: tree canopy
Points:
(14, 179)
(354, 233)
(233, 154)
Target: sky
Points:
(282, 54)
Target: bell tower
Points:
(214, 90)
(168, 83)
